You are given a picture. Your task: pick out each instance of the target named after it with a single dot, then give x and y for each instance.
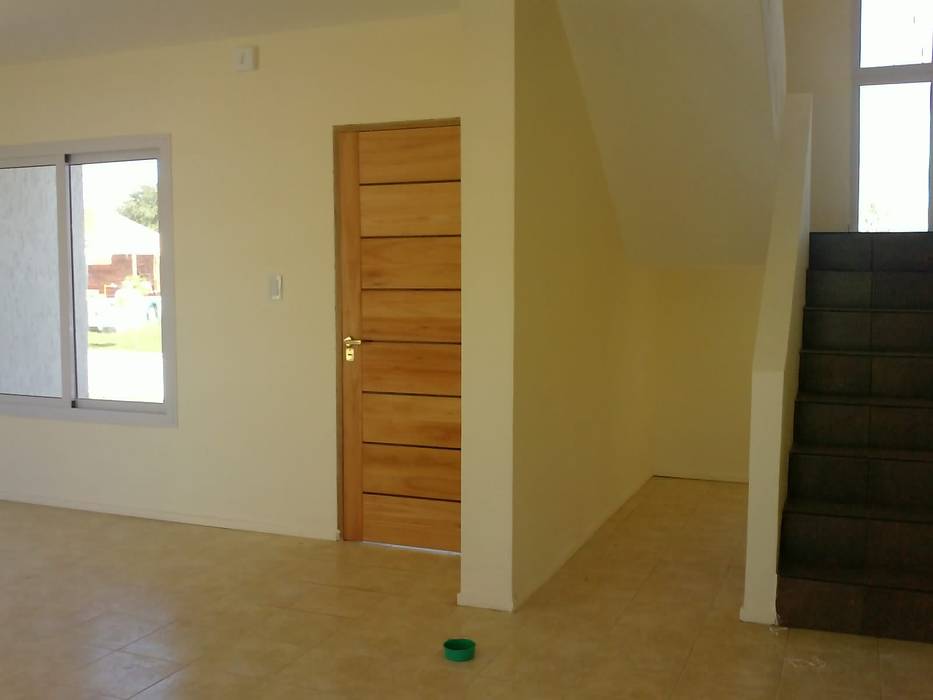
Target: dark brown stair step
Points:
(855, 609)
(861, 511)
(856, 543)
(866, 353)
(867, 309)
(874, 482)
(864, 452)
(893, 252)
(866, 374)
(834, 288)
(907, 252)
(879, 422)
(863, 400)
(902, 290)
(896, 330)
(840, 251)
(874, 578)
(869, 290)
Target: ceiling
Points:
(679, 96)
(33, 30)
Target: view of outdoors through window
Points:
(894, 157)
(894, 118)
(118, 294)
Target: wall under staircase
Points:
(856, 551)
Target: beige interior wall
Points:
(488, 279)
(703, 343)
(569, 474)
(681, 101)
(255, 445)
(820, 58)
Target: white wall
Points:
(776, 361)
(680, 99)
(573, 388)
(488, 281)
(255, 445)
(820, 61)
(30, 306)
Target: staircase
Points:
(857, 534)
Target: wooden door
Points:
(398, 211)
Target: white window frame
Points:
(882, 75)
(69, 407)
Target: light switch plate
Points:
(245, 59)
(275, 287)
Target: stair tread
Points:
(868, 353)
(861, 511)
(871, 578)
(870, 233)
(868, 309)
(863, 400)
(864, 453)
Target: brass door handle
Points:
(349, 348)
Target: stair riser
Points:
(849, 375)
(902, 253)
(841, 251)
(844, 375)
(831, 425)
(902, 290)
(901, 484)
(832, 479)
(887, 483)
(836, 330)
(839, 289)
(899, 546)
(863, 331)
(902, 332)
(854, 543)
(820, 605)
(883, 427)
(822, 540)
(866, 252)
(864, 290)
(855, 609)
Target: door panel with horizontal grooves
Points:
(411, 315)
(426, 421)
(410, 155)
(398, 220)
(417, 522)
(411, 368)
(423, 472)
(412, 209)
(411, 263)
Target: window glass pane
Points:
(894, 157)
(896, 32)
(118, 291)
(30, 306)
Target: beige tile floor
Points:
(98, 606)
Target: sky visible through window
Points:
(896, 32)
(108, 187)
(894, 138)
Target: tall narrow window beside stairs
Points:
(893, 111)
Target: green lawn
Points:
(145, 339)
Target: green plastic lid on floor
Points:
(459, 649)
